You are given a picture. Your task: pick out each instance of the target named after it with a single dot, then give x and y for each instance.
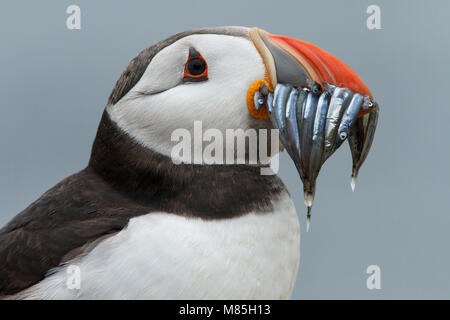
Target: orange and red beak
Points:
(299, 63)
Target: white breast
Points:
(166, 256)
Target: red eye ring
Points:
(196, 68)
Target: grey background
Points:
(54, 84)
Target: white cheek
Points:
(220, 102)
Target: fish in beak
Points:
(316, 101)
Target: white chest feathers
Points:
(165, 256)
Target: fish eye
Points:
(195, 69)
(343, 135)
(316, 89)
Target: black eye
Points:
(195, 67)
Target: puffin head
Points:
(210, 76)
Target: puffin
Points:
(137, 223)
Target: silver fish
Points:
(360, 140)
(313, 125)
(350, 115)
(339, 102)
(295, 103)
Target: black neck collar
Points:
(149, 178)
